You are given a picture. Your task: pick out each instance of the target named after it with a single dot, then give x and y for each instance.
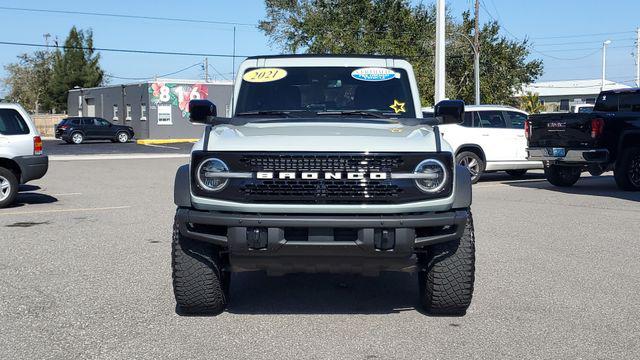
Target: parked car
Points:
(582, 108)
(21, 157)
(75, 130)
(325, 167)
(491, 138)
(606, 139)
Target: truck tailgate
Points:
(568, 130)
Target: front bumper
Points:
(32, 167)
(287, 243)
(594, 156)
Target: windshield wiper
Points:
(374, 114)
(265, 112)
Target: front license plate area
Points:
(557, 152)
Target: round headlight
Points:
(210, 174)
(433, 175)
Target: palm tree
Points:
(530, 103)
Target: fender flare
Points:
(462, 188)
(182, 187)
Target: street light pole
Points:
(439, 93)
(476, 53)
(604, 62)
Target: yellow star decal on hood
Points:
(397, 106)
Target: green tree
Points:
(28, 80)
(77, 64)
(530, 102)
(395, 27)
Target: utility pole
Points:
(476, 52)
(638, 58)
(206, 69)
(604, 62)
(439, 93)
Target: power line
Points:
(218, 72)
(130, 51)
(152, 77)
(125, 16)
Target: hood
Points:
(322, 136)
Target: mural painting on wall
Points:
(177, 95)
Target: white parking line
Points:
(63, 210)
(509, 182)
(66, 194)
(162, 146)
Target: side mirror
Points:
(449, 111)
(202, 111)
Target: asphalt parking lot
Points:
(85, 273)
(100, 147)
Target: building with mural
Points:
(157, 109)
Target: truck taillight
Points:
(37, 145)
(527, 129)
(597, 126)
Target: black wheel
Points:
(627, 170)
(199, 284)
(122, 137)
(77, 138)
(8, 187)
(560, 175)
(448, 274)
(517, 173)
(473, 162)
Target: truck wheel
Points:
(446, 280)
(199, 284)
(627, 170)
(473, 162)
(8, 187)
(563, 176)
(517, 173)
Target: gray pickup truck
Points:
(325, 166)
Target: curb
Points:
(164, 141)
(116, 157)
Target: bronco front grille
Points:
(314, 162)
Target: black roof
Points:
(623, 90)
(326, 55)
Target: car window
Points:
(516, 119)
(607, 102)
(86, 121)
(492, 119)
(12, 123)
(468, 119)
(629, 102)
(101, 122)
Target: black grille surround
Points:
(321, 191)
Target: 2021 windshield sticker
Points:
(374, 74)
(397, 106)
(263, 75)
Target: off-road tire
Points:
(563, 176)
(12, 180)
(519, 173)
(627, 170)
(480, 164)
(199, 284)
(447, 275)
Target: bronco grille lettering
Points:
(267, 175)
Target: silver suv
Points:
(325, 166)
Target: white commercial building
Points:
(561, 95)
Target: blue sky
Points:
(562, 33)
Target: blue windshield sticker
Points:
(374, 74)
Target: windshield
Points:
(318, 91)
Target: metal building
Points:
(156, 110)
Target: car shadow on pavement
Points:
(604, 186)
(257, 293)
(31, 198)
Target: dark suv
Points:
(75, 130)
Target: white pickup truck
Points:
(21, 157)
(326, 166)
